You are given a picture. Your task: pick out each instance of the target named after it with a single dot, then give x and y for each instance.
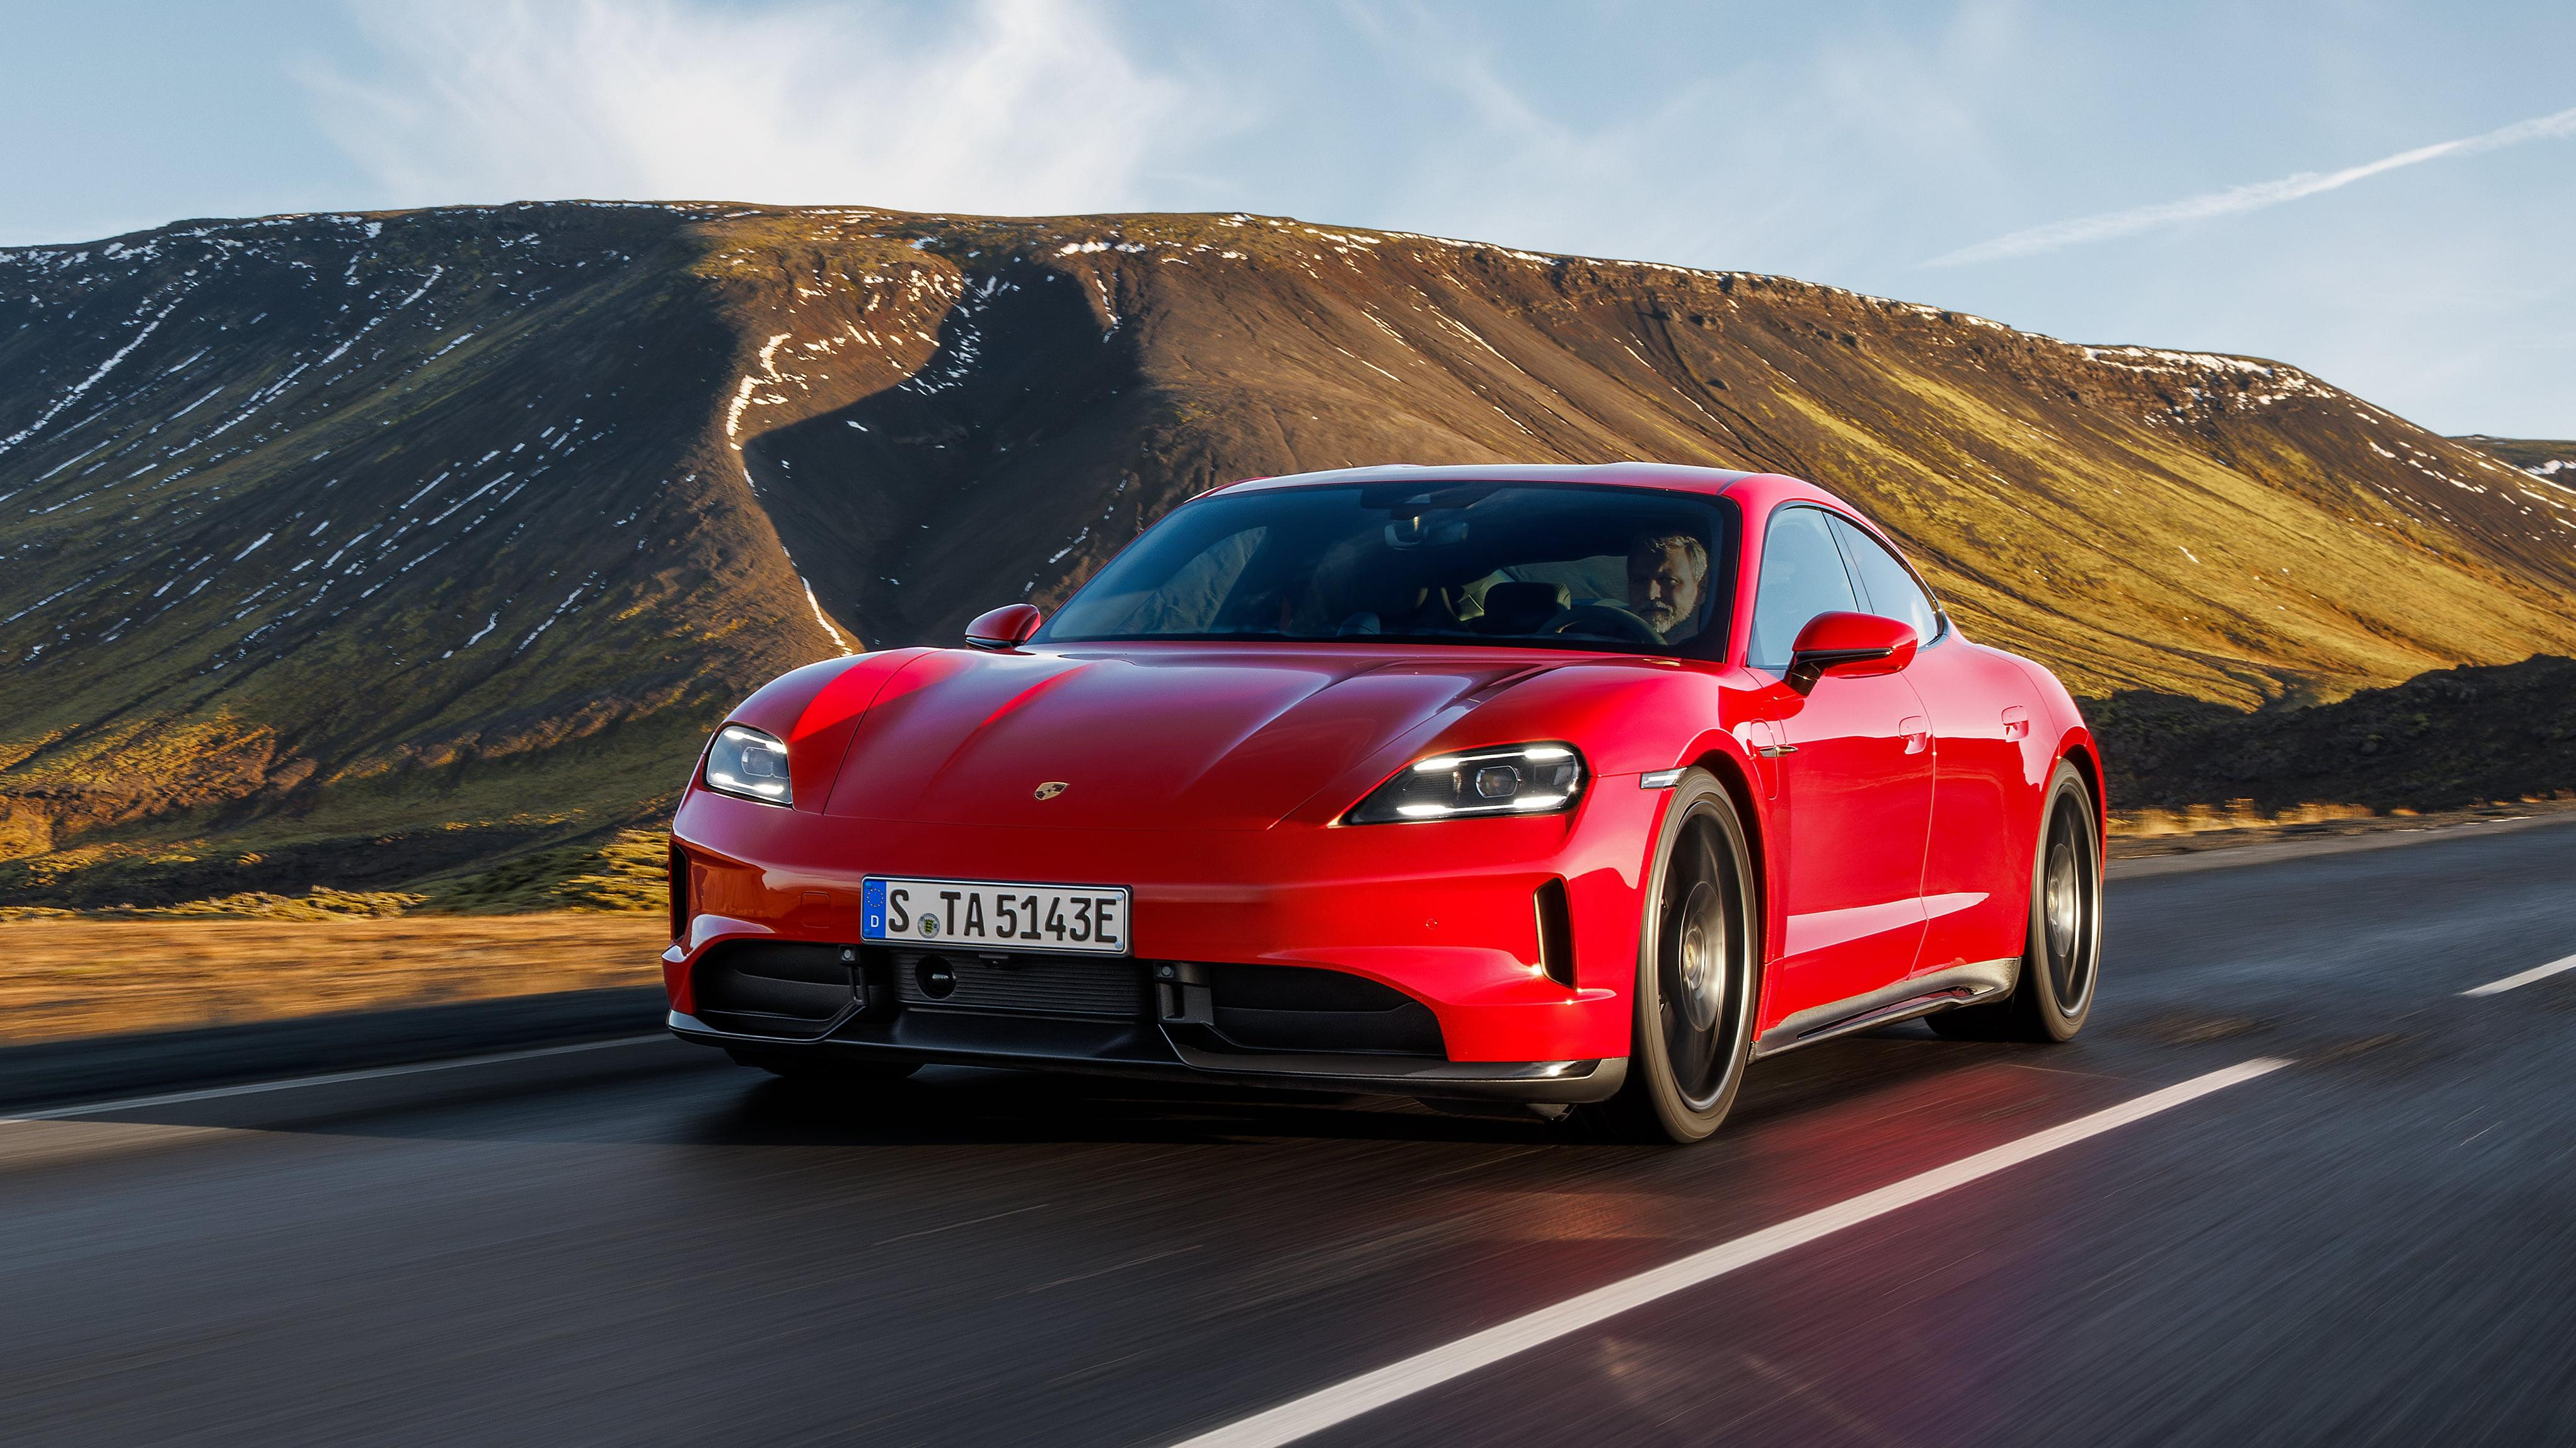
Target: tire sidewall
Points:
(2038, 991)
(1650, 1065)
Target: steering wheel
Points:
(1603, 620)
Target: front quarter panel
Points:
(1630, 718)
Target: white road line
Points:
(137, 1103)
(1344, 1401)
(2537, 972)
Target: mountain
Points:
(366, 549)
(2550, 461)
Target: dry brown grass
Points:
(2236, 814)
(87, 977)
(2141, 833)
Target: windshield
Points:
(1566, 566)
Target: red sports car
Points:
(1559, 785)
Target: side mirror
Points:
(1851, 644)
(1006, 627)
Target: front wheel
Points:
(1697, 972)
(2062, 946)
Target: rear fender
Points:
(2079, 749)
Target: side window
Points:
(1889, 588)
(1802, 576)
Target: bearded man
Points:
(1667, 574)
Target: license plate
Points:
(985, 915)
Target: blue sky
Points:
(2271, 179)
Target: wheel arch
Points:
(1737, 781)
(1732, 777)
(1651, 1096)
(2081, 752)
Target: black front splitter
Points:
(1138, 1050)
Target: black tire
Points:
(803, 1068)
(2061, 961)
(1698, 971)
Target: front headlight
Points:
(748, 764)
(1505, 780)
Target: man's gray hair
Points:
(1689, 543)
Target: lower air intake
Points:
(1309, 1008)
(776, 988)
(1035, 985)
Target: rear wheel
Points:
(1693, 1027)
(2062, 945)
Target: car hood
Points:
(1154, 738)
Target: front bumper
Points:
(1442, 913)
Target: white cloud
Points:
(2253, 197)
(1009, 106)
(1711, 146)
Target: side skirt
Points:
(1960, 985)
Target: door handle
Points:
(1917, 732)
(2016, 723)
(1763, 738)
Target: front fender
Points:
(816, 709)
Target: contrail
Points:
(2251, 197)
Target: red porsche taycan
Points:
(1563, 785)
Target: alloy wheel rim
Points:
(2061, 899)
(1703, 949)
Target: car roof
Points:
(1668, 476)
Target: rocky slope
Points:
(361, 549)
(2547, 459)
(2448, 739)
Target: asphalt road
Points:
(2374, 1243)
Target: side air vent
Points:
(776, 988)
(678, 868)
(1555, 933)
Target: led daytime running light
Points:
(748, 764)
(1512, 779)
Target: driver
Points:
(1667, 573)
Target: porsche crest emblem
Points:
(1052, 788)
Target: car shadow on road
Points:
(961, 1106)
(965, 1106)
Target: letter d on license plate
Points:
(985, 915)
